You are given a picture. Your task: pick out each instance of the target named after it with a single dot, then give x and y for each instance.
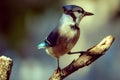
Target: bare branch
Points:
(85, 59)
(5, 67)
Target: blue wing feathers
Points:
(53, 37)
(42, 45)
(51, 40)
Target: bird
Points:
(65, 35)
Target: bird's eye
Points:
(80, 11)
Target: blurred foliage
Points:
(13, 13)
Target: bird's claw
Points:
(58, 70)
(81, 52)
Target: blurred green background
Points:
(25, 23)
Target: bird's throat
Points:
(77, 21)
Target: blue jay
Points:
(65, 35)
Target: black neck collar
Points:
(75, 27)
(73, 16)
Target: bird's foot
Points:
(58, 70)
(80, 52)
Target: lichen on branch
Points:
(5, 67)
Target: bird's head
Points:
(76, 12)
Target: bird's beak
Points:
(88, 14)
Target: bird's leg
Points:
(58, 66)
(81, 52)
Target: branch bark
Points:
(5, 67)
(85, 59)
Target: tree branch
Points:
(5, 67)
(85, 59)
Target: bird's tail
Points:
(42, 45)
